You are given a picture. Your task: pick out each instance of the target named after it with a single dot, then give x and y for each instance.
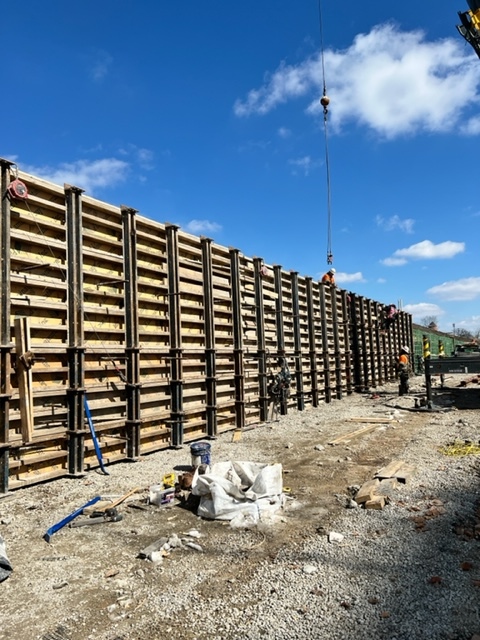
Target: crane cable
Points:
(325, 101)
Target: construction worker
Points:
(404, 370)
(329, 277)
(388, 318)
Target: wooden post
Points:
(24, 376)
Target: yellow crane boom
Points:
(470, 25)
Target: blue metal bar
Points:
(94, 436)
(59, 525)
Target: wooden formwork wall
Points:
(161, 336)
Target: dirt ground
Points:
(89, 582)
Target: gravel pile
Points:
(409, 571)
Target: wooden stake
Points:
(24, 375)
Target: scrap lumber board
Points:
(404, 473)
(397, 469)
(390, 470)
(352, 434)
(367, 491)
(376, 420)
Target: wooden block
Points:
(236, 435)
(367, 491)
(377, 502)
(390, 470)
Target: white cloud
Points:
(140, 155)
(342, 277)
(422, 309)
(463, 289)
(101, 62)
(106, 172)
(381, 280)
(393, 262)
(304, 164)
(202, 226)
(471, 127)
(391, 81)
(395, 222)
(471, 324)
(283, 132)
(425, 250)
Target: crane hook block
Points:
(18, 190)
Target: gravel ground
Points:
(408, 571)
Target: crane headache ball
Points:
(325, 101)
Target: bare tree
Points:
(463, 334)
(429, 321)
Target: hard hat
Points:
(332, 270)
(406, 349)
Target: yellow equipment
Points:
(470, 27)
(169, 480)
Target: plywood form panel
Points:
(154, 342)
(280, 314)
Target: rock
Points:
(335, 537)
(309, 568)
(319, 447)
(351, 504)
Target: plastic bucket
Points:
(200, 453)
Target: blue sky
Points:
(207, 114)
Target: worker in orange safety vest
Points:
(329, 277)
(404, 370)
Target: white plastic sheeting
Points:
(5, 566)
(242, 492)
